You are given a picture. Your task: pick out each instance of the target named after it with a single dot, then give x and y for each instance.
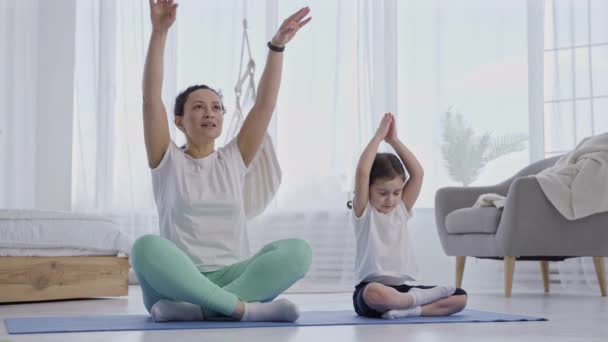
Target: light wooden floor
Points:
(571, 318)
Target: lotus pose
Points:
(197, 268)
(382, 205)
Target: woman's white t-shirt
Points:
(200, 205)
(384, 249)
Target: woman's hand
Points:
(162, 14)
(290, 27)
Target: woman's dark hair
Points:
(387, 166)
(181, 99)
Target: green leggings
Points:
(166, 272)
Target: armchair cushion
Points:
(482, 220)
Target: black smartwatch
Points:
(276, 48)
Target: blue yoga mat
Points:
(62, 324)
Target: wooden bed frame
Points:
(29, 279)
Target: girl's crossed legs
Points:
(379, 300)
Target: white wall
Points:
(36, 95)
(55, 86)
(18, 77)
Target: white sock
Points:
(392, 314)
(169, 310)
(280, 310)
(425, 296)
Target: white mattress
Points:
(56, 233)
(55, 252)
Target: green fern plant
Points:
(465, 154)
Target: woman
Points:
(196, 269)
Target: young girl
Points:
(381, 208)
(196, 269)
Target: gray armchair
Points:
(527, 228)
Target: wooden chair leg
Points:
(544, 267)
(601, 273)
(509, 269)
(460, 260)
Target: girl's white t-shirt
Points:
(384, 248)
(200, 205)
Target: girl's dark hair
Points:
(387, 166)
(181, 99)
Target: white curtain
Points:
(353, 62)
(110, 171)
(18, 91)
(336, 74)
(575, 98)
(338, 81)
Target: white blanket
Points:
(490, 200)
(577, 185)
(262, 181)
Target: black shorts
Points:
(363, 310)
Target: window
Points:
(575, 72)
